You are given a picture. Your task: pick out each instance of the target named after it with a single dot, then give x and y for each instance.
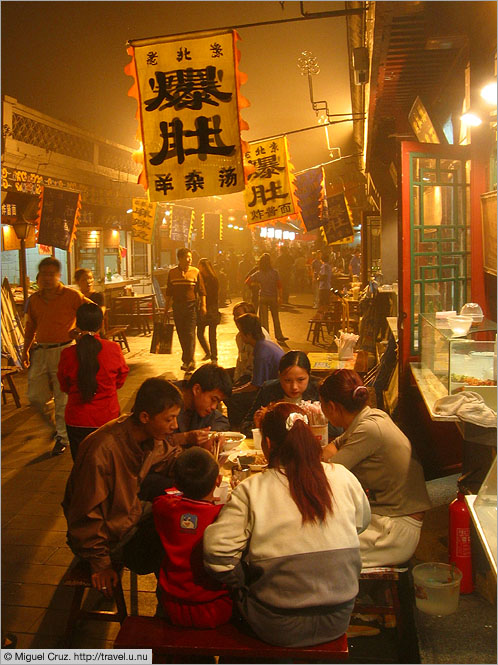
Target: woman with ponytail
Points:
(287, 541)
(90, 373)
(380, 456)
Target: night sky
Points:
(66, 59)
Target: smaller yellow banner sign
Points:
(142, 220)
(269, 192)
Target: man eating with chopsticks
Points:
(202, 394)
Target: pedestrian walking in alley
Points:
(283, 264)
(51, 315)
(324, 282)
(213, 316)
(270, 295)
(316, 265)
(90, 373)
(185, 289)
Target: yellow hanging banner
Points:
(269, 193)
(187, 87)
(142, 220)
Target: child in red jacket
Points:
(188, 595)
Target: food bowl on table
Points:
(460, 325)
(232, 439)
(474, 310)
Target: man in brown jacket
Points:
(107, 520)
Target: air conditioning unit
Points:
(360, 65)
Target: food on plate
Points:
(260, 459)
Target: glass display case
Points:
(459, 363)
(484, 514)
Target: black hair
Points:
(211, 377)
(265, 262)
(293, 359)
(154, 396)
(50, 261)
(195, 472)
(248, 307)
(249, 324)
(183, 251)
(345, 387)
(89, 319)
(80, 272)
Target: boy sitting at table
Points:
(188, 595)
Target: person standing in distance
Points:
(185, 288)
(51, 315)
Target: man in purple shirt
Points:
(266, 358)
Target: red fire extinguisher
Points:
(459, 537)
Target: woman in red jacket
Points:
(90, 372)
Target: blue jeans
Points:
(185, 317)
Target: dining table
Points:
(324, 363)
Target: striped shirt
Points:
(185, 286)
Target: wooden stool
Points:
(118, 334)
(79, 577)
(316, 329)
(227, 641)
(7, 376)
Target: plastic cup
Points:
(256, 437)
(321, 432)
(221, 492)
(437, 588)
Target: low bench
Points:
(79, 576)
(139, 632)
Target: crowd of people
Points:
(285, 552)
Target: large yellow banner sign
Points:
(189, 114)
(143, 218)
(269, 193)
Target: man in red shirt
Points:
(51, 315)
(188, 595)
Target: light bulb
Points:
(488, 93)
(471, 119)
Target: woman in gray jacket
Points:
(287, 541)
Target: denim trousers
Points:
(271, 304)
(185, 317)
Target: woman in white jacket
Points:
(287, 541)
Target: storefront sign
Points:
(269, 193)
(426, 130)
(143, 219)
(212, 226)
(339, 227)
(311, 194)
(188, 92)
(59, 217)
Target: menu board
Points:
(58, 217)
(339, 225)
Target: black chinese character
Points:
(216, 50)
(259, 192)
(260, 150)
(274, 146)
(285, 208)
(257, 214)
(227, 176)
(194, 181)
(203, 133)
(164, 183)
(183, 53)
(152, 58)
(187, 89)
(271, 211)
(265, 167)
